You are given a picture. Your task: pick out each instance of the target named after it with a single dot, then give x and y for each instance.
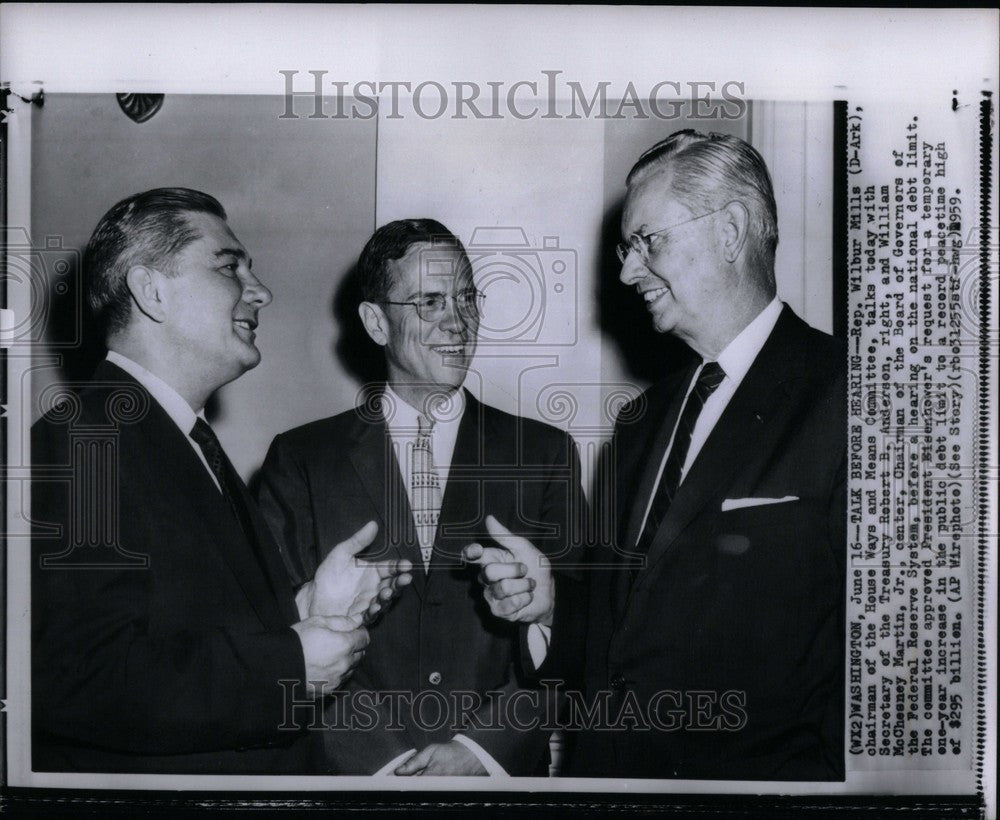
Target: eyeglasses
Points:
(433, 307)
(639, 242)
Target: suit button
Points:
(618, 682)
(434, 678)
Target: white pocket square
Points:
(740, 503)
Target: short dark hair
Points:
(391, 242)
(149, 228)
(708, 169)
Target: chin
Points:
(451, 380)
(450, 384)
(250, 360)
(663, 323)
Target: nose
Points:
(633, 269)
(453, 321)
(256, 293)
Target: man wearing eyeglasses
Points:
(437, 469)
(715, 637)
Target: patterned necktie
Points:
(425, 489)
(229, 481)
(711, 377)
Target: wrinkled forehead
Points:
(431, 268)
(651, 203)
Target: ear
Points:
(735, 230)
(375, 321)
(145, 285)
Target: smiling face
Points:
(212, 299)
(424, 357)
(686, 283)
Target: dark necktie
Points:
(711, 377)
(229, 481)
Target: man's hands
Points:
(346, 586)
(332, 647)
(345, 594)
(451, 758)
(517, 577)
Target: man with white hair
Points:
(713, 643)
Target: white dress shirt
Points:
(175, 406)
(401, 419)
(735, 360)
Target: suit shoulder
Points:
(656, 395)
(307, 436)
(95, 403)
(826, 348)
(531, 430)
(825, 362)
(818, 350)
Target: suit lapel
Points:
(374, 460)
(754, 416)
(197, 492)
(651, 449)
(647, 450)
(274, 567)
(462, 496)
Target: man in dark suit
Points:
(714, 646)
(165, 634)
(431, 464)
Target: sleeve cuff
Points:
(539, 637)
(493, 768)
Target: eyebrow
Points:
(423, 294)
(239, 253)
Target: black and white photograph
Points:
(446, 406)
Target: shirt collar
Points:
(737, 356)
(402, 417)
(168, 398)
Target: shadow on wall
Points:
(71, 329)
(77, 337)
(647, 355)
(357, 353)
(354, 348)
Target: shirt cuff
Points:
(493, 769)
(538, 643)
(390, 767)
(303, 600)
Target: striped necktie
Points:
(425, 489)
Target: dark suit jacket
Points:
(159, 639)
(733, 632)
(323, 481)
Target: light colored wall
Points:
(304, 195)
(299, 194)
(506, 181)
(796, 141)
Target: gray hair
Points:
(709, 170)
